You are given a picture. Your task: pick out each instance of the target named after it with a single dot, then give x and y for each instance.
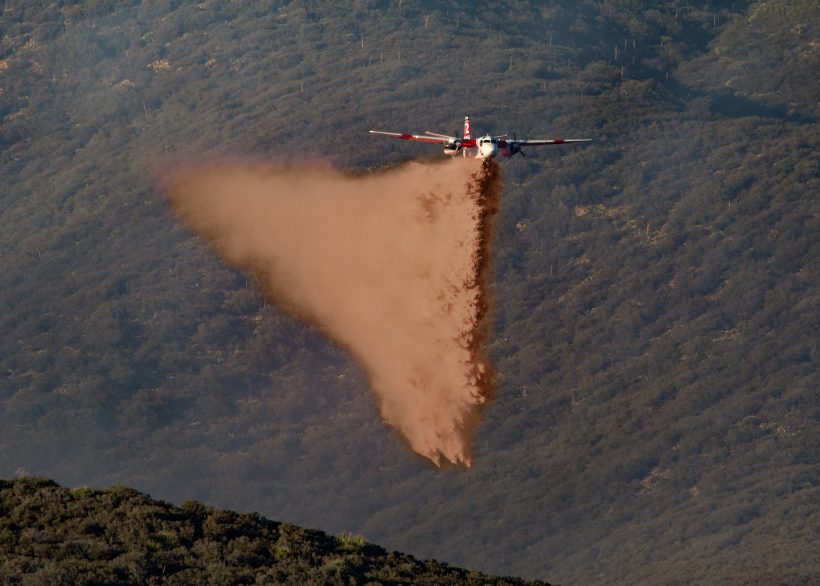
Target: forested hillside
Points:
(53, 535)
(656, 312)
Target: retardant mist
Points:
(392, 265)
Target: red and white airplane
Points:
(484, 147)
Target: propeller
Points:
(514, 148)
(456, 143)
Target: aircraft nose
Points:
(489, 149)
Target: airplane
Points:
(484, 147)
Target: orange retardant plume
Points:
(392, 265)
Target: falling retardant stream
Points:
(392, 265)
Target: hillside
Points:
(50, 534)
(656, 291)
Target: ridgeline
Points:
(52, 535)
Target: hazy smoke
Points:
(392, 265)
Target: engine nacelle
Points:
(451, 149)
(514, 148)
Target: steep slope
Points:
(656, 292)
(763, 63)
(50, 534)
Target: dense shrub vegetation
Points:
(53, 535)
(656, 291)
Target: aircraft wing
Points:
(435, 139)
(540, 142)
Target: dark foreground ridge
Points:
(54, 535)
